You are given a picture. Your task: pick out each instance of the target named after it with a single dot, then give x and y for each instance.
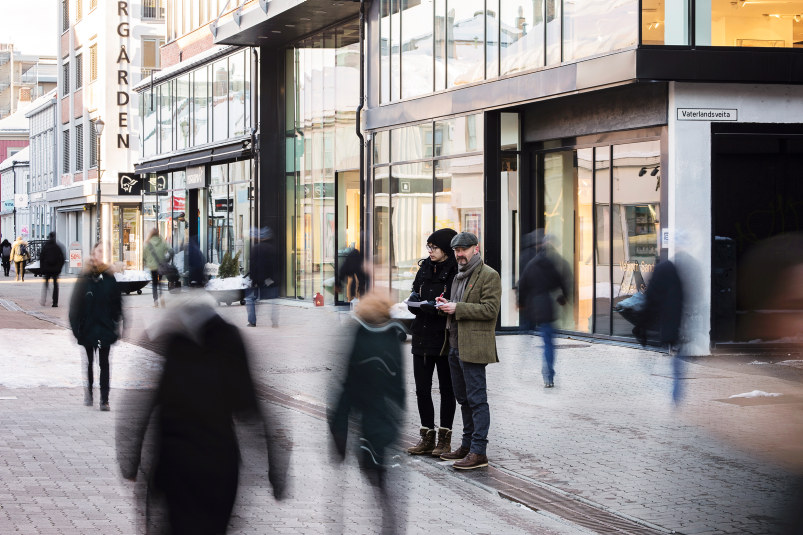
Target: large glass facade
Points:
(600, 206)
(208, 104)
(431, 178)
(321, 147)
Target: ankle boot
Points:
(444, 442)
(426, 443)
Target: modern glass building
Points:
(631, 131)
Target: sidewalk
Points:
(607, 436)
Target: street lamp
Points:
(99, 124)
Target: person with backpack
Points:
(5, 255)
(51, 261)
(156, 257)
(20, 256)
(96, 316)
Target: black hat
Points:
(442, 238)
(464, 239)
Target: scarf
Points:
(459, 287)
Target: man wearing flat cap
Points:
(471, 341)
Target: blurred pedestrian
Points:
(433, 279)
(205, 387)
(96, 317)
(353, 274)
(664, 307)
(156, 257)
(471, 339)
(195, 260)
(263, 255)
(545, 274)
(20, 256)
(5, 255)
(374, 388)
(51, 262)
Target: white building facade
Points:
(105, 49)
(14, 184)
(43, 117)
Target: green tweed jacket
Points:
(477, 313)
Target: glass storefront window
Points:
(182, 112)
(417, 49)
(598, 26)
(149, 105)
(522, 35)
(771, 24)
(384, 51)
(382, 147)
(491, 38)
(381, 234)
(236, 94)
(217, 234)
(457, 136)
(465, 37)
(602, 245)
(165, 117)
(411, 142)
(665, 22)
(200, 106)
(220, 109)
(459, 195)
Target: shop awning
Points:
(153, 166)
(231, 151)
(188, 160)
(278, 22)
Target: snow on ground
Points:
(792, 363)
(52, 358)
(229, 283)
(131, 275)
(757, 394)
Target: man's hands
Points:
(445, 306)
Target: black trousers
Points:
(55, 278)
(103, 360)
(155, 285)
(6, 267)
(422, 371)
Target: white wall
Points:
(689, 183)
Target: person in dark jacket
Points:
(543, 275)
(51, 261)
(353, 274)
(374, 388)
(434, 279)
(5, 255)
(263, 286)
(205, 387)
(96, 316)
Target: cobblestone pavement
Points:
(604, 446)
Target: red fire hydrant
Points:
(318, 299)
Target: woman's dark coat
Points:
(96, 310)
(52, 257)
(432, 280)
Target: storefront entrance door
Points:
(347, 215)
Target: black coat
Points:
(545, 273)
(96, 310)
(665, 302)
(428, 328)
(262, 258)
(52, 257)
(5, 251)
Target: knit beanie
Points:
(443, 239)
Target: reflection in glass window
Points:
(165, 118)
(771, 24)
(596, 26)
(182, 112)
(395, 50)
(602, 245)
(382, 147)
(440, 44)
(459, 195)
(411, 223)
(200, 107)
(664, 23)
(384, 51)
(411, 142)
(247, 93)
(381, 245)
(236, 94)
(465, 36)
(220, 88)
(553, 18)
(416, 48)
(522, 35)
(492, 38)
(218, 230)
(636, 221)
(149, 104)
(459, 135)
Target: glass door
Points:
(347, 223)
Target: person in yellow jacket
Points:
(20, 256)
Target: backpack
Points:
(6, 252)
(22, 250)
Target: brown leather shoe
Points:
(455, 455)
(471, 461)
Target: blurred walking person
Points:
(263, 254)
(20, 256)
(545, 274)
(433, 279)
(353, 274)
(5, 256)
(205, 386)
(156, 257)
(51, 262)
(374, 388)
(471, 339)
(96, 317)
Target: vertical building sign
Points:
(123, 63)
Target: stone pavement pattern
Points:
(606, 434)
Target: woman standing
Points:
(5, 255)
(96, 312)
(434, 278)
(20, 256)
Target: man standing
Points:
(470, 337)
(51, 261)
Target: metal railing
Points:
(153, 9)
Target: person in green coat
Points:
(156, 253)
(96, 316)
(471, 340)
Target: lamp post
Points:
(99, 124)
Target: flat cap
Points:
(464, 239)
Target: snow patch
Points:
(132, 275)
(229, 283)
(792, 363)
(758, 363)
(756, 394)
